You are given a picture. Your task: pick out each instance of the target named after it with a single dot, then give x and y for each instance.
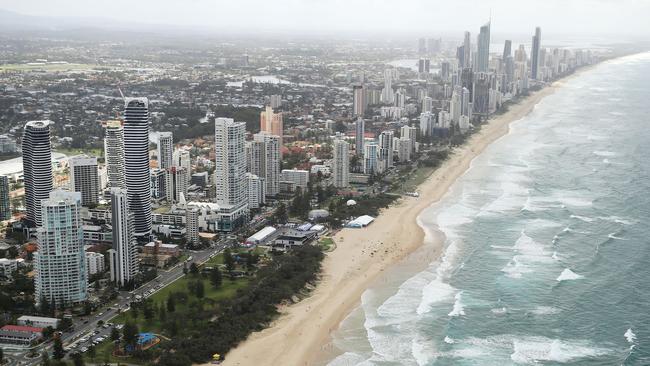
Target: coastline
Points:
(362, 255)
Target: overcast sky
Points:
(575, 17)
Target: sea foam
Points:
(568, 275)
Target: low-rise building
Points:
(299, 177)
(158, 254)
(7, 267)
(20, 335)
(38, 321)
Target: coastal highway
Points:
(86, 328)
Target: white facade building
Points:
(341, 164)
(230, 172)
(298, 177)
(123, 256)
(84, 178)
(94, 263)
(165, 150)
(61, 276)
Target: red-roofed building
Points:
(20, 335)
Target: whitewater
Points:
(547, 254)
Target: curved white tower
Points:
(37, 167)
(136, 163)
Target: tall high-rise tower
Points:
(230, 171)
(84, 178)
(272, 123)
(269, 163)
(483, 54)
(341, 164)
(123, 256)
(360, 131)
(165, 150)
(136, 163)
(467, 51)
(534, 53)
(358, 100)
(61, 277)
(5, 209)
(114, 153)
(387, 94)
(37, 167)
(386, 150)
(507, 49)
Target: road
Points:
(86, 329)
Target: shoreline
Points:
(362, 255)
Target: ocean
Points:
(547, 244)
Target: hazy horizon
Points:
(581, 18)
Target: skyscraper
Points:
(114, 154)
(256, 190)
(37, 167)
(269, 161)
(123, 256)
(60, 261)
(341, 164)
(427, 120)
(136, 164)
(507, 49)
(424, 66)
(385, 150)
(534, 53)
(192, 225)
(230, 172)
(272, 123)
(183, 159)
(467, 51)
(5, 209)
(358, 100)
(359, 138)
(84, 178)
(176, 183)
(482, 61)
(370, 158)
(165, 150)
(276, 101)
(410, 133)
(387, 95)
(427, 104)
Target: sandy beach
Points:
(298, 336)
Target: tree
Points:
(215, 278)
(228, 260)
(171, 303)
(194, 269)
(199, 289)
(148, 309)
(88, 308)
(57, 349)
(251, 260)
(78, 359)
(45, 359)
(115, 334)
(130, 334)
(92, 352)
(162, 313)
(44, 306)
(280, 216)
